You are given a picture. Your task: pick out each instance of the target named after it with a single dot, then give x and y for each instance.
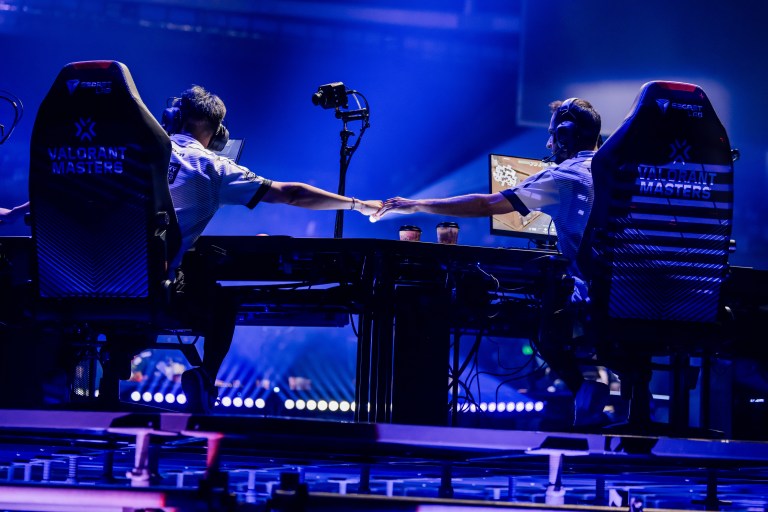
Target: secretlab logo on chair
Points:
(86, 159)
(696, 111)
(97, 87)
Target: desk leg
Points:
(374, 352)
(363, 369)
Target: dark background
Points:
(448, 82)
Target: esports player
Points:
(200, 182)
(564, 191)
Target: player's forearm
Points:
(306, 196)
(469, 205)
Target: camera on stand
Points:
(332, 95)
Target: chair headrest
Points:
(92, 102)
(668, 122)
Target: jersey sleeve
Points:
(538, 193)
(239, 185)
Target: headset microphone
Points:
(549, 158)
(558, 150)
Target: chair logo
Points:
(104, 87)
(84, 129)
(663, 104)
(72, 85)
(679, 151)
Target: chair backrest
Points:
(659, 235)
(103, 223)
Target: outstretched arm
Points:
(10, 216)
(314, 198)
(469, 205)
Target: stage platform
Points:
(64, 460)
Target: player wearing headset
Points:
(565, 192)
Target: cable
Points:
(18, 109)
(355, 328)
(363, 113)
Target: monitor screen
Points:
(509, 171)
(233, 149)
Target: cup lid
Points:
(410, 228)
(448, 225)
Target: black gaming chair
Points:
(657, 243)
(103, 224)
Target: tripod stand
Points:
(346, 154)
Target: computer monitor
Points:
(506, 172)
(233, 149)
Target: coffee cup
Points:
(410, 233)
(448, 233)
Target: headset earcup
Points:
(171, 120)
(219, 139)
(567, 135)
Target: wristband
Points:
(354, 202)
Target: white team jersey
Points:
(201, 181)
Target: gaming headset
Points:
(572, 132)
(567, 132)
(173, 121)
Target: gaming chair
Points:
(657, 243)
(103, 223)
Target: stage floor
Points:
(78, 460)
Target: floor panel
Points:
(54, 460)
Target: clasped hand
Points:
(394, 205)
(369, 207)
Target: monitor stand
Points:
(546, 245)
